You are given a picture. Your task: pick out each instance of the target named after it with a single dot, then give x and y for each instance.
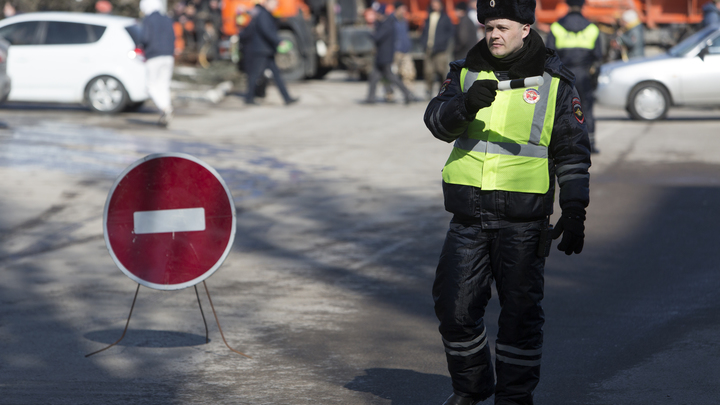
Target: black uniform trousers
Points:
(255, 65)
(471, 259)
(385, 70)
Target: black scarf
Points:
(526, 62)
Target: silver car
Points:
(4, 78)
(687, 75)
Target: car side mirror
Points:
(704, 52)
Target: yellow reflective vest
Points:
(567, 39)
(506, 146)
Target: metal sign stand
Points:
(207, 340)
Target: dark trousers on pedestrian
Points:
(255, 66)
(471, 259)
(384, 70)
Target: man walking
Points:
(262, 42)
(499, 182)
(158, 43)
(436, 37)
(578, 45)
(384, 37)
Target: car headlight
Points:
(604, 78)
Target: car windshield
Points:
(690, 42)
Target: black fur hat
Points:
(578, 3)
(522, 11)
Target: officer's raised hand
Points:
(571, 226)
(480, 95)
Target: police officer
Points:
(578, 45)
(499, 182)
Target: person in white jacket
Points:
(158, 43)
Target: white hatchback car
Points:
(75, 58)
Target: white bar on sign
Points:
(182, 220)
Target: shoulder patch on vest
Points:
(577, 110)
(444, 87)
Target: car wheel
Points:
(106, 94)
(649, 102)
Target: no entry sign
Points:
(169, 221)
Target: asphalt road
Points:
(327, 288)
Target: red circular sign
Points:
(169, 221)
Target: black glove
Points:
(571, 226)
(480, 95)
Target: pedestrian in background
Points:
(9, 9)
(579, 47)
(499, 182)
(711, 13)
(103, 7)
(384, 38)
(403, 60)
(465, 33)
(632, 35)
(436, 37)
(261, 43)
(158, 43)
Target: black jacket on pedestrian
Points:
(576, 58)
(260, 37)
(569, 150)
(711, 14)
(158, 36)
(465, 37)
(384, 37)
(444, 33)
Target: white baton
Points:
(520, 83)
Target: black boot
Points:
(456, 399)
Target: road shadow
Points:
(401, 386)
(145, 122)
(146, 338)
(42, 106)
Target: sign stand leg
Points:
(218, 323)
(126, 325)
(207, 339)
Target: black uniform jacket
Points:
(576, 58)
(569, 150)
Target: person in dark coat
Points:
(711, 13)
(465, 33)
(632, 35)
(579, 47)
(384, 37)
(436, 37)
(499, 183)
(158, 42)
(261, 42)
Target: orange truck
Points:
(329, 34)
(666, 21)
(326, 34)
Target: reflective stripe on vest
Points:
(567, 39)
(506, 146)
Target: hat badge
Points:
(492, 3)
